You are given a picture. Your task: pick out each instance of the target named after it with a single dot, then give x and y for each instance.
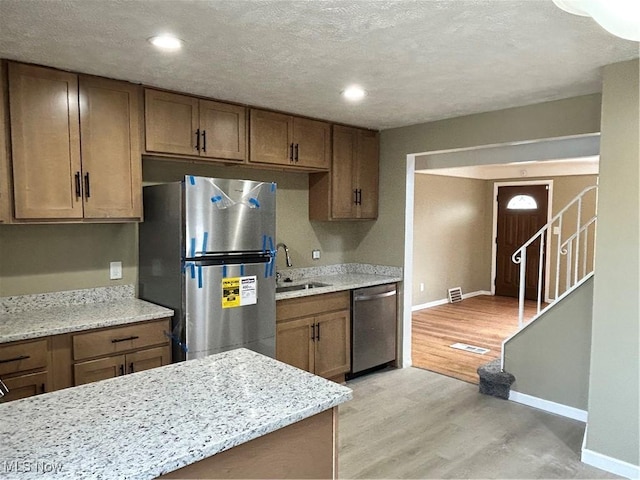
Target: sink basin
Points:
(302, 286)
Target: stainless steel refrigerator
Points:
(206, 250)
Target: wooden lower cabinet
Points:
(31, 367)
(313, 333)
(24, 368)
(305, 449)
(110, 367)
(27, 385)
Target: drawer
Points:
(24, 386)
(312, 305)
(120, 339)
(22, 356)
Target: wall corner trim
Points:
(549, 406)
(444, 301)
(610, 464)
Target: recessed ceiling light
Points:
(167, 43)
(354, 93)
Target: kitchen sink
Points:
(301, 286)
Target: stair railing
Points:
(574, 249)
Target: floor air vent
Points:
(470, 348)
(455, 295)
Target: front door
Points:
(522, 211)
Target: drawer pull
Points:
(15, 359)
(131, 367)
(118, 340)
(122, 369)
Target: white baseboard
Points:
(610, 464)
(444, 301)
(549, 406)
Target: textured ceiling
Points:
(419, 60)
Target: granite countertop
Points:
(145, 424)
(337, 283)
(57, 319)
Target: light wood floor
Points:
(411, 423)
(483, 321)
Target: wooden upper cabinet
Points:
(6, 201)
(75, 146)
(187, 126)
(350, 190)
(171, 123)
(45, 140)
(312, 143)
(223, 130)
(367, 161)
(285, 140)
(110, 147)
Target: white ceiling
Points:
(420, 60)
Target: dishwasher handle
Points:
(359, 298)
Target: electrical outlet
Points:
(115, 270)
(422, 287)
(315, 254)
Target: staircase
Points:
(567, 255)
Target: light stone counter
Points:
(336, 283)
(142, 425)
(57, 319)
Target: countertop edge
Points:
(335, 287)
(240, 439)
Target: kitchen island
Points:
(177, 418)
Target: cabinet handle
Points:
(355, 196)
(121, 369)
(118, 340)
(291, 152)
(43, 388)
(78, 186)
(15, 359)
(198, 140)
(313, 332)
(131, 367)
(359, 196)
(87, 190)
(204, 140)
(318, 332)
(296, 155)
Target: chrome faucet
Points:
(286, 252)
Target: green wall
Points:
(550, 357)
(614, 404)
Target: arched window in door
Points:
(522, 202)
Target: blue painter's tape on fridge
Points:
(273, 187)
(254, 201)
(204, 242)
(193, 270)
(216, 199)
(192, 180)
(199, 276)
(193, 247)
(224, 271)
(242, 270)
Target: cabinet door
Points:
(367, 160)
(45, 140)
(171, 122)
(111, 161)
(5, 164)
(332, 351)
(294, 344)
(270, 138)
(343, 190)
(312, 143)
(24, 386)
(147, 359)
(94, 370)
(223, 130)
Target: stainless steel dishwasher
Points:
(373, 327)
